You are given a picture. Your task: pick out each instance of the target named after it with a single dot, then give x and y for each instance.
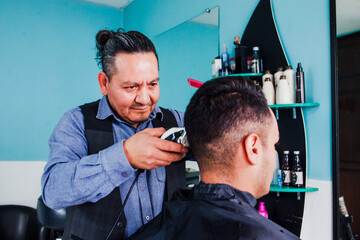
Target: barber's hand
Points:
(145, 150)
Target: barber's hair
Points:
(220, 115)
(110, 43)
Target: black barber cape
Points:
(211, 211)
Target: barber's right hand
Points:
(145, 149)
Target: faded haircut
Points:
(220, 115)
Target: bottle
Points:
(274, 181)
(262, 210)
(269, 92)
(249, 64)
(267, 75)
(290, 77)
(286, 173)
(279, 178)
(277, 76)
(225, 59)
(297, 175)
(300, 85)
(282, 91)
(256, 61)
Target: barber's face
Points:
(133, 90)
(268, 161)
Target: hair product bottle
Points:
(268, 90)
(286, 173)
(262, 210)
(277, 76)
(267, 75)
(297, 175)
(290, 77)
(282, 91)
(256, 61)
(225, 59)
(300, 85)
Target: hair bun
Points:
(102, 38)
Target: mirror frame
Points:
(335, 120)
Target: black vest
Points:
(95, 220)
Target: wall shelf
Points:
(292, 106)
(243, 75)
(302, 105)
(275, 188)
(278, 190)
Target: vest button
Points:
(119, 224)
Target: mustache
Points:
(137, 105)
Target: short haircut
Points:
(220, 115)
(109, 43)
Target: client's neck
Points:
(239, 181)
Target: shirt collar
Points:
(223, 191)
(105, 111)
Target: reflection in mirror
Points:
(186, 51)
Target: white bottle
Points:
(267, 75)
(290, 77)
(277, 76)
(283, 91)
(269, 92)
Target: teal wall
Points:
(47, 65)
(47, 51)
(304, 28)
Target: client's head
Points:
(232, 133)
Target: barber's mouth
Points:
(144, 108)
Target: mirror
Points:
(186, 51)
(348, 112)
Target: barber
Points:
(97, 149)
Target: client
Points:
(232, 133)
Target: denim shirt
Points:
(71, 177)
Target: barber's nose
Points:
(142, 96)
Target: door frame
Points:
(335, 120)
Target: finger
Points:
(169, 157)
(169, 146)
(156, 132)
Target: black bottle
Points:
(285, 170)
(300, 86)
(297, 175)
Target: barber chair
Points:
(54, 220)
(20, 223)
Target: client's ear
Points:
(253, 148)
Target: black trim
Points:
(335, 120)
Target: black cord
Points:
(126, 198)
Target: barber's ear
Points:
(103, 82)
(253, 148)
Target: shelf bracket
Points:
(278, 194)
(294, 113)
(277, 114)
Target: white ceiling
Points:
(347, 13)
(112, 3)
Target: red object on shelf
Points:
(195, 83)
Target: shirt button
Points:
(119, 224)
(147, 218)
(142, 188)
(124, 174)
